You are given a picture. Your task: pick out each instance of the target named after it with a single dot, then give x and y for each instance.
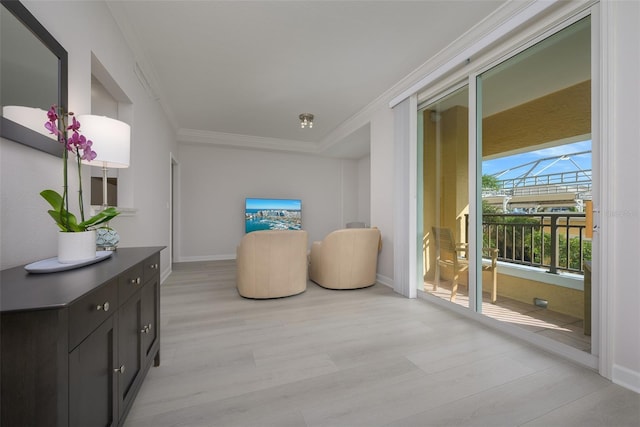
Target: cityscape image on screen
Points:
(272, 214)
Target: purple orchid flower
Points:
(87, 152)
(52, 127)
(76, 141)
(52, 114)
(75, 125)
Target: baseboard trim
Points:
(626, 378)
(223, 257)
(384, 280)
(165, 275)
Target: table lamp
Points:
(111, 142)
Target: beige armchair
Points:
(346, 259)
(272, 264)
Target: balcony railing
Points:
(553, 241)
(560, 182)
(556, 181)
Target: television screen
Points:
(272, 214)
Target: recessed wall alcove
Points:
(108, 99)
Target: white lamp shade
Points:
(29, 117)
(111, 140)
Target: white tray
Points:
(51, 265)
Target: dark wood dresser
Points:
(76, 345)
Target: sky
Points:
(288, 204)
(583, 161)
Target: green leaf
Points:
(56, 217)
(100, 218)
(66, 221)
(54, 199)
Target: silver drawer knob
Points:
(104, 306)
(136, 281)
(153, 266)
(119, 370)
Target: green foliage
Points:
(574, 251)
(490, 182)
(488, 208)
(67, 221)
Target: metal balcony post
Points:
(553, 264)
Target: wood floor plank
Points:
(366, 357)
(515, 402)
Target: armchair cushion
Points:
(345, 259)
(272, 264)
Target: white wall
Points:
(27, 232)
(214, 182)
(364, 190)
(382, 180)
(624, 175)
(349, 190)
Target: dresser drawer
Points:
(90, 311)
(151, 267)
(129, 282)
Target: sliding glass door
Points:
(445, 157)
(533, 151)
(535, 139)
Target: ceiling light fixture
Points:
(306, 119)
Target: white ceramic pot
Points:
(76, 247)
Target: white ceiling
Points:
(244, 70)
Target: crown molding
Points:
(195, 136)
(142, 67)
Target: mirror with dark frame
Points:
(33, 76)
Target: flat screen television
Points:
(272, 214)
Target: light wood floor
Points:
(366, 357)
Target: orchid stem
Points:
(65, 184)
(80, 201)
